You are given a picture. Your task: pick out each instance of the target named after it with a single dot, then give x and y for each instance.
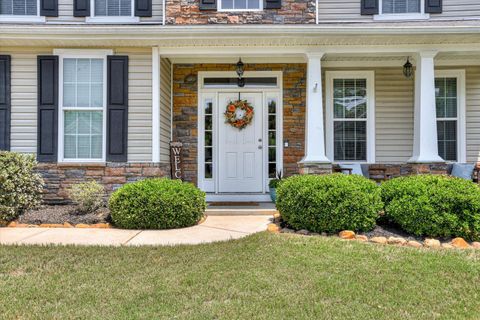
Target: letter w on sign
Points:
(176, 160)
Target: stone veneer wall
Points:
(292, 12)
(185, 99)
(59, 177)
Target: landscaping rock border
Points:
(348, 235)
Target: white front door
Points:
(240, 154)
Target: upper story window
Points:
(20, 10)
(401, 6)
(401, 9)
(240, 5)
(112, 11)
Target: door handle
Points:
(260, 147)
(260, 140)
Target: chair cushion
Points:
(356, 168)
(463, 170)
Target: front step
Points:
(239, 209)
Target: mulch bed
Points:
(63, 213)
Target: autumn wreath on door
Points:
(239, 114)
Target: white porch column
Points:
(425, 144)
(314, 128)
(155, 105)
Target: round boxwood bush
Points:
(157, 204)
(434, 206)
(21, 186)
(329, 203)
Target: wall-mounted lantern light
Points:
(240, 71)
(408, 69)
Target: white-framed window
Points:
(20, 11)
(350, 115)
(402, 9)
(240, 5)
(450, 113)
(112, 11)
(82, 105)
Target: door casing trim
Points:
(211, 185)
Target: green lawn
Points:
(265, 276)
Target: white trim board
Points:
(370, 77)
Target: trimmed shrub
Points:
(20, 187)
(434, 206)
(88, 196)
(157, 204)
(329, 203)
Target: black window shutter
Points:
(143, 8)
(369, 7)
(117, 108)
(208, 5)
(81, 8)
(433, 6)
(47, 115)
(5, 103)
(273, 4)
(49, 8)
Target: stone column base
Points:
(314, 168)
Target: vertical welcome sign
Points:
(176, 160)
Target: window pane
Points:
(208, 123)
(272, 106)
(447, 139)
(83, 83)
(450, 107)
(240, 4)
(208, 138)
(350, 141)
(271, 138)
(272, 170)
(208, 171)
(208, 154)
(253, 4)
(83, 134)
(272, 154)
(227, 4)
(271, 122)
(208, 107)
(5, 7)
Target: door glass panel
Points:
(272, 141)
(208, 148)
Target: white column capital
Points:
(427, 54)
(314, 55)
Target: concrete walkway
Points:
(215, 228)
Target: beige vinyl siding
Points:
(394, 101)
(473, 113)
(349, 10)
(65, 13)
(157, 13)
(24, 97)
(340, 10)
(165, 109)
(459, 9)
(139, 104)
